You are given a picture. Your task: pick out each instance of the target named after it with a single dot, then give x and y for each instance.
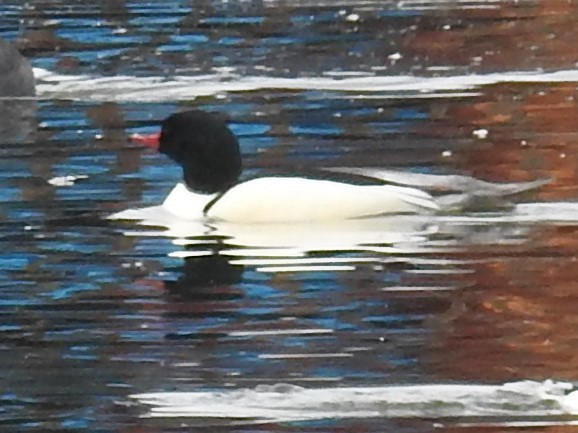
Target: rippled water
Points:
(118, 326)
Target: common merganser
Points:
(16, 76)
(209, 154)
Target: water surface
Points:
(97, 313)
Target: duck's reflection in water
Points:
(194, 238)
(203, 278)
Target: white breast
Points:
(187, 204)
(289, 199)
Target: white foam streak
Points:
(178, 88)
(304, 355)
(312, 268)
(275, 332)
(282, 402)
(67, 180)
(422, 5)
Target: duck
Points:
(16, 75)
(209, 155)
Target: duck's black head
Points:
(203, 145)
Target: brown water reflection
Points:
(500, 428)
(507, 37)
(531, 132)
(517, 320)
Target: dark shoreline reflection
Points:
(18, 121)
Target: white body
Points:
(292, 199)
